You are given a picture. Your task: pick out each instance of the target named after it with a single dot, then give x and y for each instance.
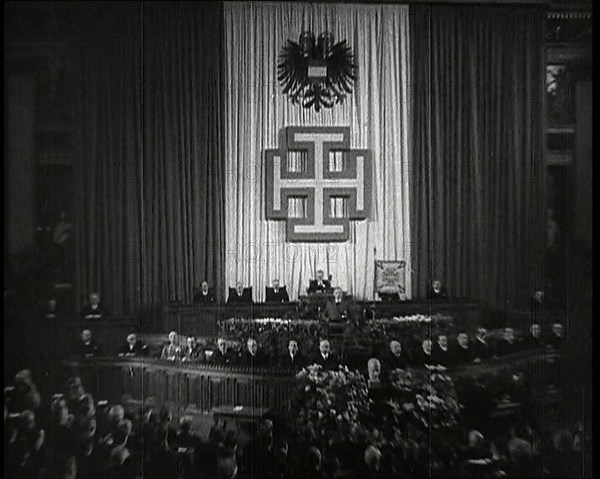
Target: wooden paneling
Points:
(201, 387)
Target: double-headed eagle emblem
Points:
(316, 74)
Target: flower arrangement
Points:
(422, 401)
(330, 402)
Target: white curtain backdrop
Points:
(378, 114)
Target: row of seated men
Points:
(445, 351)
(277, 293)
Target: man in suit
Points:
(294, 360)
(193, 352)
(326, 359)
(221, 356)
(423, 356)
(205, 295)
(339, 308)
(557, 340)
(93, 310)
(462, 352)
(252, 357)
(277, 294)
(481, 347)
(438, 291)
(507, 344)
(394, 358)
(319, 285)
(535, 340)
(239, 295)
(86, 347)
(441, 353)
(133, 347)
(51, 310)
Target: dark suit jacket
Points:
(420, 359)
(295, 365)
(391, 361)
(332, 362)
(445, 358)
(221, 359)
(462, 355)
(281, 296)
(481, 350)
(334, 311)
(209, 298)
(259, 360)
(441, 295)
(535, 343)
(314, 287)
(139, 349)
(196, 354)
(93, 314)
(503, 347)
(234, 297)
(85, 350)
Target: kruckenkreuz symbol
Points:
(331, 183)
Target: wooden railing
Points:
(202, 387)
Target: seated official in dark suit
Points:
(482, 349)
(438, 291)
(326, 359)
(294, 360)
(557, 340)
(277, 294)
(133, 347)
(252, 357)
(239, 295)
(338, 309)
(423, 356)
(393, 359)
(93, 310)
(86, 347)
(50, 310)
(319, 285)
(193, 352)
(507, 343)
(205, 295)
(534, 339)
(441, 352)
(462, 352)
(222, 356)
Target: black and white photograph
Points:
(298, 239)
